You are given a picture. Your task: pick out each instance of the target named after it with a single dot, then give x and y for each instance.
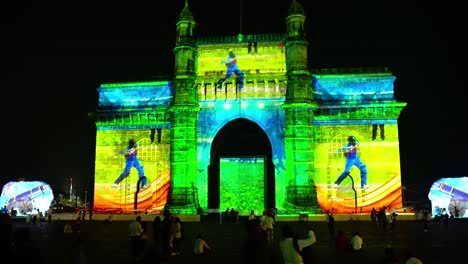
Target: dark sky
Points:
(56, 54)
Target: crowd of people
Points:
(163, 239)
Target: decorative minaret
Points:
(299, 115)
(184, 116)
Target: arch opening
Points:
(241, 171)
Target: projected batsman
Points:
(231, 67)
(131, 160)
(352, 159)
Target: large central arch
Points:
(240, 138)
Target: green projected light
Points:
(242, 184)
(153, 155)
(333, 122)
(302, 117)
(253, 58)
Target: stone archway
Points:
(239, 138)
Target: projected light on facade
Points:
(192, 131)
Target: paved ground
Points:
(109, 243)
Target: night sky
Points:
(55, 55)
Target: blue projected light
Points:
(27, 197)
(449, 196)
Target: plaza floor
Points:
(109, 243)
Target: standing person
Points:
(233, 215)
(157, 236)
(255, 247)
(166, 224)
(352, 159)
(268, 225)
(176, 234)
(445, 219)
(330, 223)
(261, 219)
(200, 247)
(373, 216)
(382, 217)
(252, 215)
(231, 67)
(389, 256)
(131, 160)
(341, 242)
(393, 217)
(425, 217)
(136, 231)
(227, 215)
(264, 215)
(252, 221)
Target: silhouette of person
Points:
(231, 67)
(373, 216)
(331, 223)
(136, 231)
(381, 127)
(131, 160)
(153, 133)
(157, 237)
(353, 159)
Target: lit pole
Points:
(355, 192)
(71, 187)
(85, 198)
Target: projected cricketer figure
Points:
(352, 159)
(131, 160)
(231, 67)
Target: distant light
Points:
(227, 106)
(261, 105)
(244, 105)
